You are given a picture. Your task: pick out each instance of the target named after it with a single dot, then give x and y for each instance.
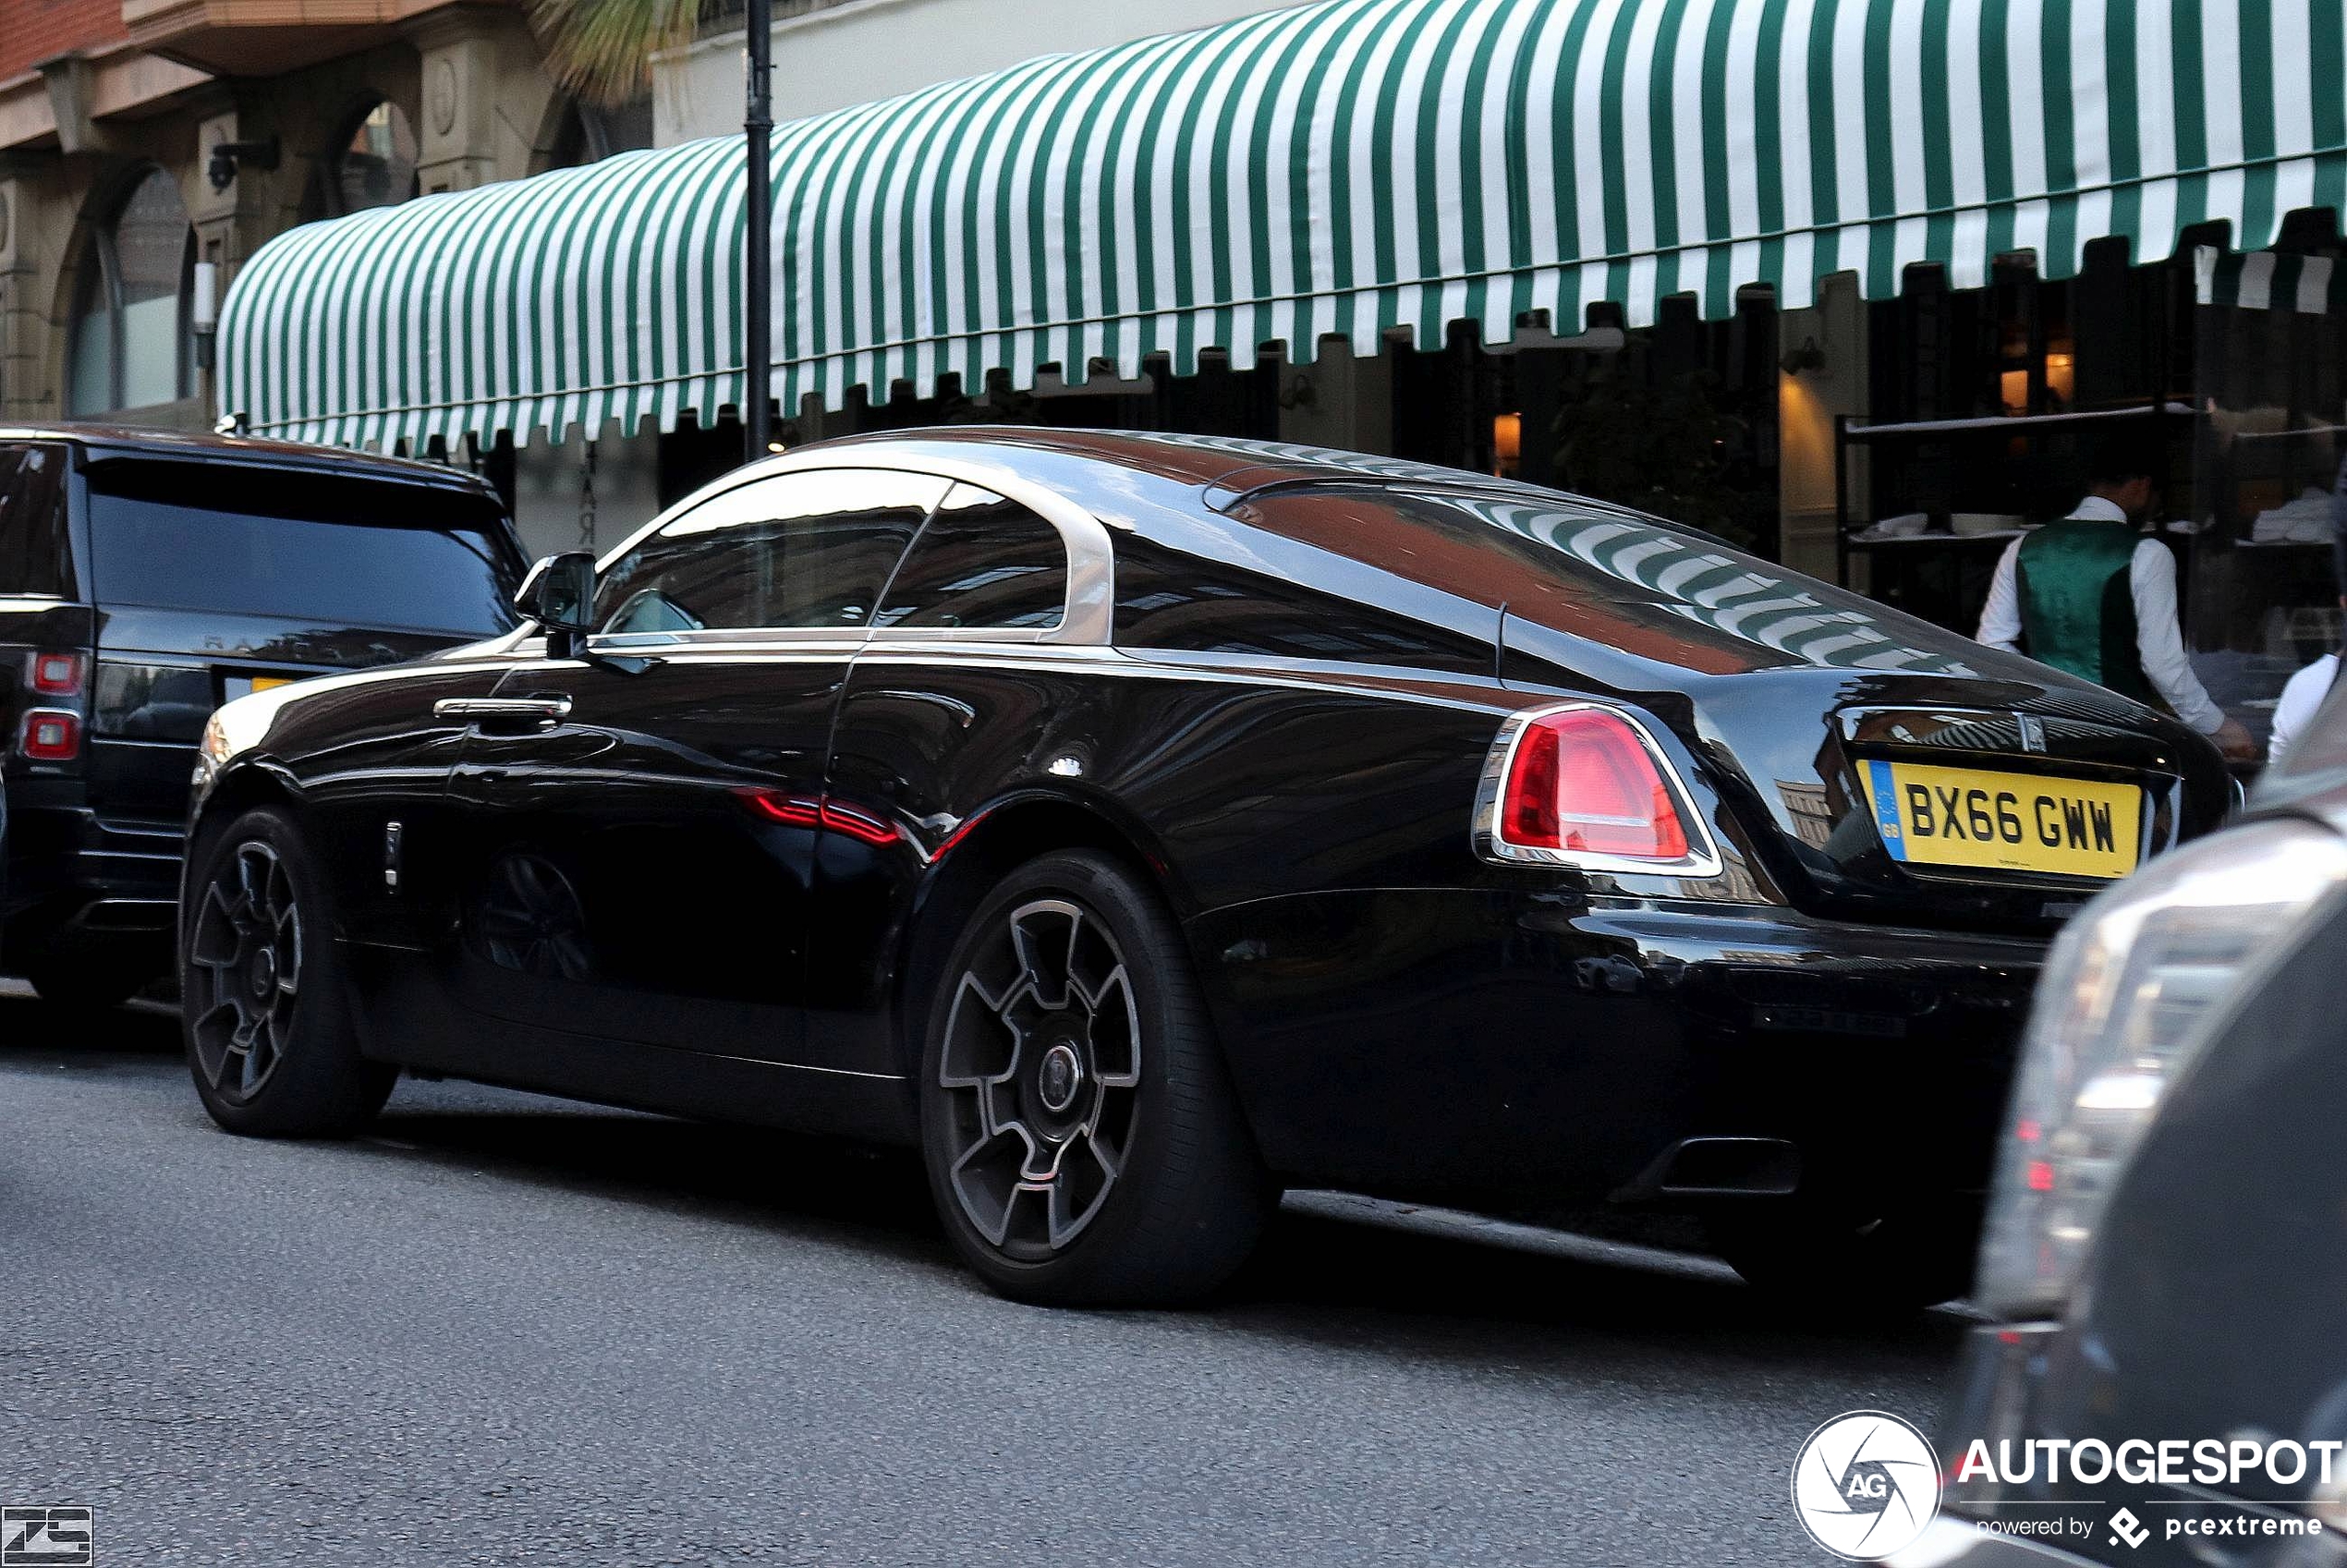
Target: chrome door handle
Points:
(546, 709)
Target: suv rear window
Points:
(331, 550)
(36, 556)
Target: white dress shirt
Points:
(2300, 701)
(2159, 641)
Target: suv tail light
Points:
(1587, 786)
(50, 735)
(58, 675)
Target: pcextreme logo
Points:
(1866, 1485)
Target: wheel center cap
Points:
(263, 976)
(1060, 1077)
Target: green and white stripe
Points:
(1343, 169)
(607, 292)
(2266, 280)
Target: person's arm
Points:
(2001, 618)
(2159, 640)
(2339, 529)
(2300, 699)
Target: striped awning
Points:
(608, 292)
(1350, 168)
(2268, 280)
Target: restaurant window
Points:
(129, 347)
(2270, 340)
(1678, 418)
(1985, 405)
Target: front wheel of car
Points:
(264, 999)
(1083, 1142)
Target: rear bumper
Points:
(1491, 1044)
(77, 876)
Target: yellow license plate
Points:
(2005, 822)
(234, 687)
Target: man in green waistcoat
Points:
(2094, 596)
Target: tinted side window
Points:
(36, 552)
(1171, 600)
(799, 550)
(982, 561)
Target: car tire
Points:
(1854, 1261)
(1084, 1144)
(85, 982)
(264, 996)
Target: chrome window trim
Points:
(1702, 859)
(1088, 615)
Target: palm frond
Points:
(602, 49)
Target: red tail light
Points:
(50, 735)
(807, 811)
(1587, 786)
(792, 810)
(58, 675)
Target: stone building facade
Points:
(147, 146)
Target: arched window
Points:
(588, 134)
(376, 167)
(130, 345)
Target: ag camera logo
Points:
(1866, 1485)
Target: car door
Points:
(948, 700)
(644, 814)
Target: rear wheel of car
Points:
(86, 981)
(1850, 1259)
(264, 999)
(1083, 1142)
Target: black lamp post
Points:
(758, 280)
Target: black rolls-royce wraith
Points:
(1143, 823)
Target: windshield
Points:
(331, 550)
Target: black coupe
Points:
(1141, 824)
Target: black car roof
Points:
(1227, 467)
(188, 447)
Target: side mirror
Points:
(559, 596)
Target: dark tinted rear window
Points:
(36, 556)
(338, 552)
(1171, 600)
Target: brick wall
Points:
(41, 30)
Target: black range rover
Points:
(145, 579)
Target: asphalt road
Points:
(511, 1329)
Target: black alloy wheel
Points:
(1082, 1139)
(245, 960)
(264, 995)
(1041, 1066)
